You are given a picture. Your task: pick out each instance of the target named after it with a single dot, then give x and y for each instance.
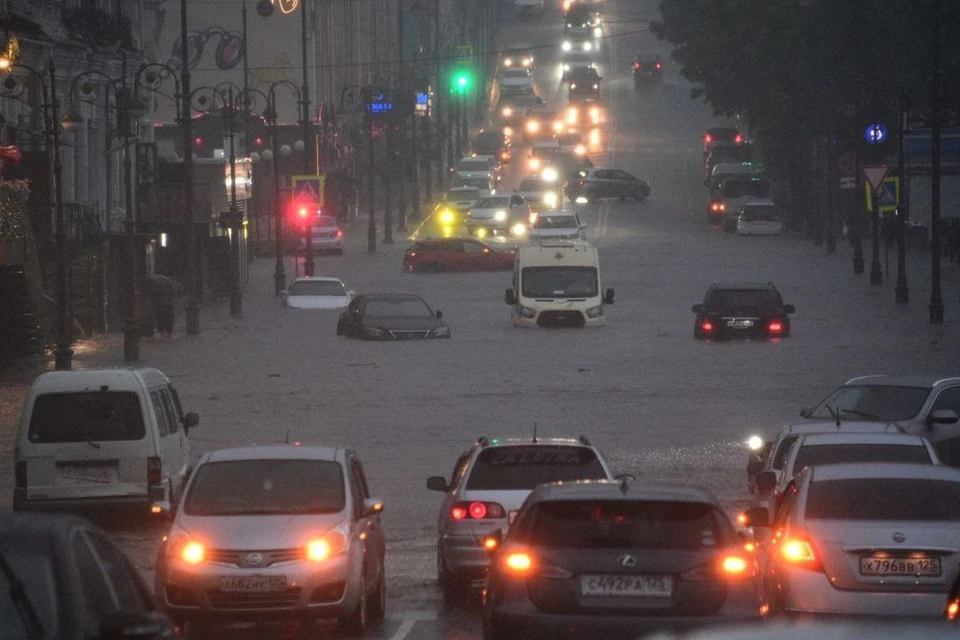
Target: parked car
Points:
(489, 483)
(457, 254)
(64, 579)
(318, 292)
(325, 236)
(391, 316)
(278, 531)
(598, 183)
(742, 310)
(101, 438)
(619, 559)
(759, 217)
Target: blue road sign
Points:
(875, 133)
(919, 144)
(889, 194)
(308, 188)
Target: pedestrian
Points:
(163, 309)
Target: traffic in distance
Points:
(850, 509)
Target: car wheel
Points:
(378, 603)
(591, 196)
(640, 195)
(449, 585)
(356, 622)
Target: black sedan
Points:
(598, 183)
(647, 70)
(742, 311)
(63, 578)
(391, 316)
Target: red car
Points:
(457, 254)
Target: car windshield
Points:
(515, 73)
(493, 202)
(895, 499)
(397, 307)
(86, 416)
(733, 188)
(32, 564)
(524, 467)
(760, 214)
(317, 288)
(560, 282)
(462, 194)
(489, 139)
(872, 402)
(473, 165)
(741, 302)
(531, 185)
(252, 487)
(547, 221)
(622, 524)
(812, 455)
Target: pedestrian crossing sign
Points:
(889, 194)
(308, 189)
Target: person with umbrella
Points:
(163, 291)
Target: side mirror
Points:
(789, 308)
(755, 517)
(372, 507)
(136, 625)
(439, 314)
(754, 467)
(437, 483)
(766, 481)
(608, 298)
(942, 416)
(509, 297)
(162, 509)
(190, 420)
(804, 412)
(351, 294)
(696, 308)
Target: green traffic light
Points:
(462, 81)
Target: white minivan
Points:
(101, 438)
(556, 283)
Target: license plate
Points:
(740, 324)
(253, 584)
(512, 516)
(627, 586)
(88, 474)
(886, 566)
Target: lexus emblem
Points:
(627, 562)
(253, 559)
(899, 537)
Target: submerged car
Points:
(742, 310)
(317, 293)
(457, 254)
(759, 218)
(325, 236)
(598, 183)
(391, 316)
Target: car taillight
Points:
(707, 326)
(708, 138)
(729, 567)
(154, 471)
(21, 474)
(659, 66)
(734, 566)
(738, 138)
(339, 233)
(718, 206)
(637, 65)
(518, 562)
(776, 327)
(477, 511)
(953, 609)
(800, 553)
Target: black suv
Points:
(742, 310)
(647, 70)
(492, 143)
(584, 82)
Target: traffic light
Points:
(302, 214)
(461, 81)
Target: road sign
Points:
(848, 182)
(308, 189)
(464, 50)
(848, 163)
(875, 133)
(889, 195)
(875, 174)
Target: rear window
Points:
(317, 288)
(760, 214)
(742, 301)
(524, 467)
(474, 165)
(250, 487)
(746, 189)
(529, 184)
(884, 499)
(810, 456)
(621, 524)
(86, 416)
(324, 221)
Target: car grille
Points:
(560, 319)
(409, 334)
(275, 600)
(267, 558)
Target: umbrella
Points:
(162, 286)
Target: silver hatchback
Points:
(275, 532)
(489, 484)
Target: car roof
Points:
(117, 379)
(741, 286)
(621, 490)
(897, 470)
(392, 296)
(759, 202)
(823, 439)
(497, 441)
(901, 380)
(273, 452)
(318, 279)
(861, 426)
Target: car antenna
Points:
(287, 439)
(835, 413)
(534, 432)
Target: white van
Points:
(101, 438)
(556, 283)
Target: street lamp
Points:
(129, 111)
(63, 354)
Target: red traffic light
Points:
(302, 213)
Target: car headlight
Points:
(550, 199)
(186, 550)
(588, 46)
(533, 126)
(447, 217)
(580, 150)
(499, 216)
(595, 137)
(481, 233)
(549, 174)
(532, 217)
(573, 85)
(330, 544)
(594, 312)
(558, 126)
(572, 115)
(440, 332)
(527, 312)
(507, 62)
(566, 66)
(527, 62)
(755, 443)
(566, 46)
(508, 131)
(373, 332)
(597, 32)
(507, 112)
(518, 229)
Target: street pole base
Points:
(831, 244)
(279, 280)
(936, 312)
(371, 239)
(902, 292)
(857, 266)
(131, 343)
(876, 276)
(63, 357)
(193, 318)
(236, 304)
(309, 266)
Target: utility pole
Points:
(936, 298)
(902, 290)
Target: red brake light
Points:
(708, 138)
(458, 513)
(154, 471)
(734, 566)
(776, 327)
(953, 609)
(800, 553)
(637, 65)
(659, 66)
(738, 139)
(478, 510)
(707, 325)
(339, 233)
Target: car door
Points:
(97, 594)
(354, 317)
(172, 400)
(622, 184)
(946, 437)
(604, 186)
(171, 449)
(452, 256)
(128, 588)
(369, 528)
(476, 255)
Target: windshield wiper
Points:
(25, 608)
(93, 444)
(863, 414)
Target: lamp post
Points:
(902, 291)
(63, 354)
(936, 298)
(129, 111)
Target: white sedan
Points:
(558, 225)
(317, 293)
(499, 214)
